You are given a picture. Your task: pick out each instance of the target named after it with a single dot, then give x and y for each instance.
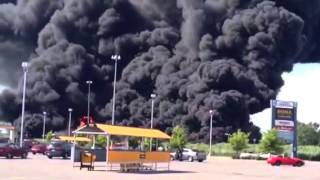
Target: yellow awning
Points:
(133, 131)
(71, 138)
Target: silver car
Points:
(190, 155)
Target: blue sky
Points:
(301, 85)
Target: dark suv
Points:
(58, 149)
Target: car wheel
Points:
(50, 157)
(33, 153)
(278, 163)
(200, 160)
(190, 159)
(299, 164)
(64, 156)
(9, 156)
(24, 155)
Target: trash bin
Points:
(87, 159)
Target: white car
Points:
(248, 156)
(190, 155)
(254, 156)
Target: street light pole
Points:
(88, 113)
(25, 70)
(153, 96)
(69, 124)
(115, 58)
(44, 125)
(210, 146)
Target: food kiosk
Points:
(130, 159)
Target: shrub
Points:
(270, 143)
(179, 138)
(101, 141)
(134, 142)
(311, 153)
(238, 141)
(49, 136)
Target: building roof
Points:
(90, 129)
(122, 131)
(133, 131)
(71, 138)
(7, 127)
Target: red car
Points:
(11, 150)
(39, 148)
(279, 160)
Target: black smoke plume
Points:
(196, 55)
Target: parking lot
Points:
(39, 167)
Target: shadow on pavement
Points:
(15, 158)
(157, 172)
(144, 172)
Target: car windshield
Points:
(56, 144)
(38, 145)
(3, 145)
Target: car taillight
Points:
(58, 148)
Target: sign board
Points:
(284, 119)
(84, 120)
(142, 156)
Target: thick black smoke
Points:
(225, 55)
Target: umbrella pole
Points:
(94, 142)
(107, 148)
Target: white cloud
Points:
(2, 88)
(301, 85)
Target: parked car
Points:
(172, 155)
(281, 160)
(59, 149)
(10, 150)
(39, 148)
(28, 143)
(4, 140)
(189, 154)
(248, 156)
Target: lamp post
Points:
(25, 70)
(153, 96)
(69, 124)
(210, 146)
(44, 125)
(115, 58)
(88, 112)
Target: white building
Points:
(7, 131)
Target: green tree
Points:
(101, 141)
(270, 143)
(134, 142)
(179, 138)
(146, 144)
(308, 134)
(49, 136)
(238, 141)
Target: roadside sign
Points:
(284, 120)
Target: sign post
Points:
(284, 120)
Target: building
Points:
(7, 132)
